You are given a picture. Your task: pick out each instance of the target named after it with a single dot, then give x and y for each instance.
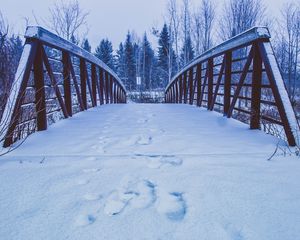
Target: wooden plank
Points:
(107, 81)
(191, 88)
(40, 103)
(199, 82)
(180, 88)
(217, 85)
(176, 92)
(210, 80)
(101, 81)
(54, 84)
(94, 84)
(227, 82)
(256, 89)
(203, 88)
(83, 83)
(67, 82)
(79, 97)
(241, 82)
(185, 87)
(89, 86)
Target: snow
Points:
(282, 90)
(143, 171)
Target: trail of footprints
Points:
(136, 193)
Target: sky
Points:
(107, 18)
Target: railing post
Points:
(185, 87)
(94, 84)
(176, 91)
(67, 83)
(191, 87)
(106, 87)
(40, 99)
(83, 82)
(111, 89)
(101, 80)
(180, 88)
(256, 89)
(227, 82)
(199, 83)
(210, 81)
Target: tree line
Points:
(186, 33)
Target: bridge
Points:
(93, 166)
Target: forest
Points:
(187, 32)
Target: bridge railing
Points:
(55, 79)
(239, 78)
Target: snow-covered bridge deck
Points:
(149, 172)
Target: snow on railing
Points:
(46, 86)
(241, 79)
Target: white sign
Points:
(138, 81)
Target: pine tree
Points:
(104, 52)
(130, 65)
(147, 64)
(187, 52)
(86, 45)
(166, 57)
(120, 62)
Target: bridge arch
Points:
(55, 79)
(239, 78)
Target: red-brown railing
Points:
(55, 79)
(241, 79)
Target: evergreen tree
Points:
(104, 52)
(74, 40)
(130, 65)
(187, 53)
(121, 62)
(86, 45)
(147, 63)
(166, 57)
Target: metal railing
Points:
(55, 79)
(239, 78)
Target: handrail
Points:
(48, 88)
(240, 78)
(253, 34)
(49, 38)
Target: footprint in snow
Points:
(91, 170)
(172, 205)
(132, 192)
(144, 140)
(92, 197)
(85, 219)
(160, 161)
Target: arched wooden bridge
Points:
(239, 78)
(194, 167)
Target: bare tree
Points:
(186, 27)
(203, 20)
(66, 19)
(240, 15)
(174, 22)
(288, 46)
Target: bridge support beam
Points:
(256, 89)
(40, 99)
(67, 83)
(227, 82)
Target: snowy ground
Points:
(149, 172)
